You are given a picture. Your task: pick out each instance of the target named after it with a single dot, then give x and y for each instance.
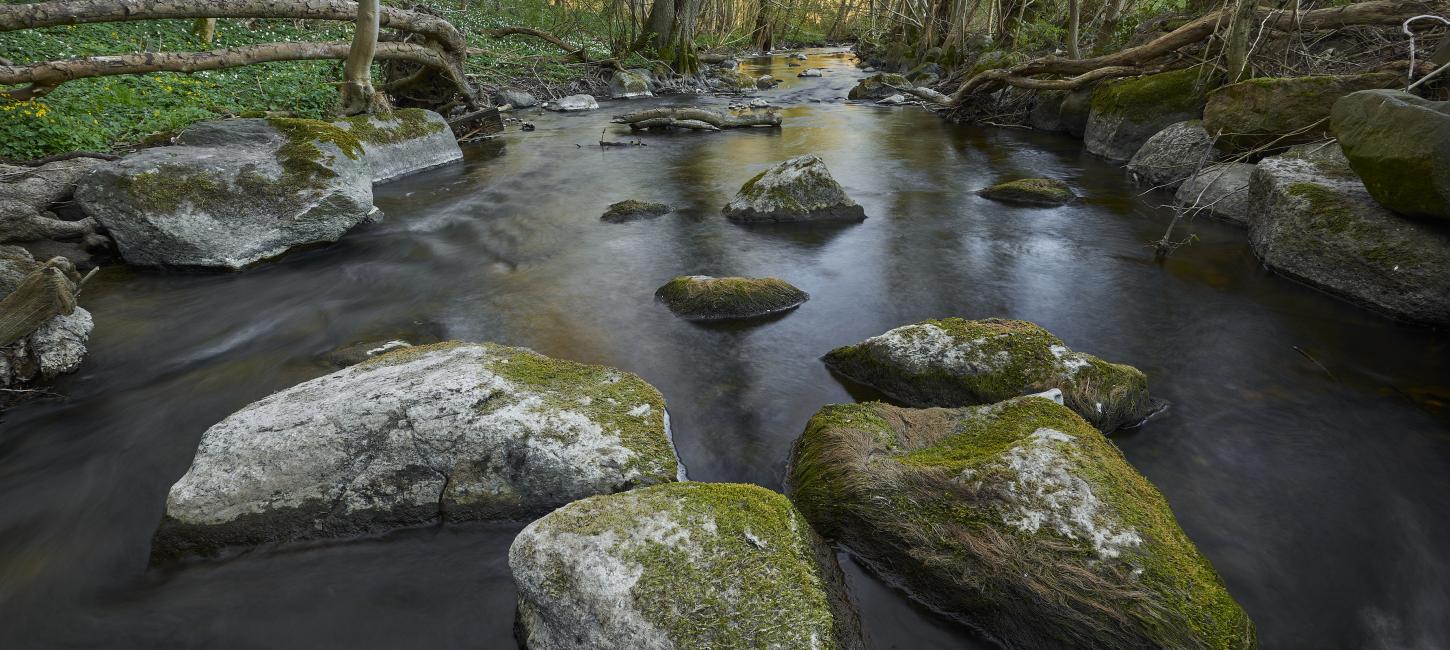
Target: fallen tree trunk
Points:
(47, 292)
(1136, 60)
(640, 120)
(76, 12)
(45, 76)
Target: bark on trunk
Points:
(204, 29)
(1074, 22)
(358, 94)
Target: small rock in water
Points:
(630, 210)
(759, 102)
(765, 82)
(355, 353)
(701, 297)
(799, 56)
(514, 98)
(894, 100)
(573, 103)
(810, 72)
(799, 189)
(1041, 192)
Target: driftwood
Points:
(1157, 55)
(46, 292)
(70, 155)
(477, 124)
(695, 118)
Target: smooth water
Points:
(1307, 451)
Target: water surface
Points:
(1307, 451)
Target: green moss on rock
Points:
(391, 128)
(631, 209)
(302, 160)
(702, 297)
(702, 565)
(1281, 111)
(957, 362)
(1142, 98)
(1017, 517)
(1030, 191)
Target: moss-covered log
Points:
(651, 118)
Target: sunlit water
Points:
(1306, 451)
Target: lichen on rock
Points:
(683, 565)
(701, 297)
(402, 142)
(957, 362)
(1016, 517)
(455, 430)
(1040, 192)
(799, 189)
(879, 86)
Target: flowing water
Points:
(1307, 451)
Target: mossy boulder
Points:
(684, 565)
(403, 142)
(1041, 192)
(799, 189)
(1018, 518)
(631, 210)
(1399, 144)
(1281, 111)
(1220, 191)
(232, 193)
(449, 430)
(958, 362)
(1126, 112)
(1314, 221)
(878, 86)
(729, 78)
(701, 297)
(1173, 154)
(628, 85)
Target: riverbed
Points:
(1306, 451)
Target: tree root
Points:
(695, 118)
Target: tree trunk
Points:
(1074, 22)
(1109, 26)
(204, 29)
(672, 23)
(358, 94)
(764, 36)
(1236, 50)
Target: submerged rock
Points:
(403, 142)
(799, 189)
(572, 103)
(1126, 112)
(1399, 144)
(810, 72)
(1173, 154)
(1221, 191)
(1063, 111)
(514, 98)
(894, 100)
(878, 86)
(462, 431)
(628, 85)
(685, 565)
(232, 193)
(1043, 192)
(701, 297)
(1315, 222)
(1016, 517)
(56, 345)
(630, 210)
(957, 362)
(1282, 111)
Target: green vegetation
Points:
(1141, 98)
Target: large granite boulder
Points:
(27, 195)
(1126, 112)
(799, 189)
(628, 85)
(879, 86)
(1315, 222)
(701, 297)
(403, 142)
(1172, 155)
(1281, 111)
(684, 565)
(232, 193)
(462, 431)
(1016, 517)
(1062, 111)
(1399, 144)
(41, 348)
(1220, 191)
(957, 362)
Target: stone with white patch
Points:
(462, 431)
(682, 565)
(1018, 518)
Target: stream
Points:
(1306, 452)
